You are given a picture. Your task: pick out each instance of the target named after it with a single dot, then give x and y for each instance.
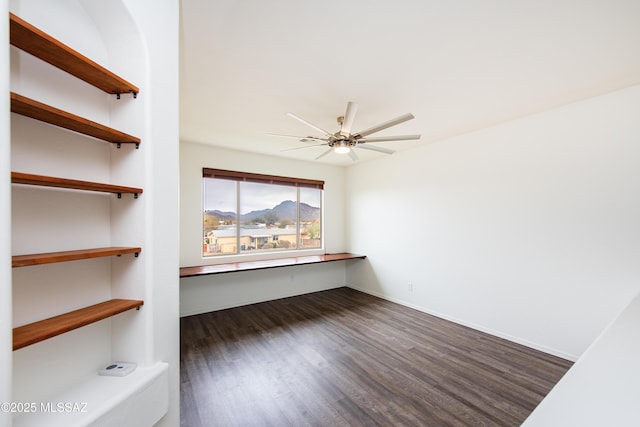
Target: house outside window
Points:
(246, 213)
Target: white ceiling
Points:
(457, 66)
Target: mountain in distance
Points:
(285, 210)
(222, 216)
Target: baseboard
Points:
(517, 340)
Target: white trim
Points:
(517, 340)
(140, 398)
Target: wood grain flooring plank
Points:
(345, 358)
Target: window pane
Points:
(268, 218)
(247, 213)
(220, 223)
(310, 208)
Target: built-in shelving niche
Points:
(147, 387)
(41, 45)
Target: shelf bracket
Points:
(135, 195)
(135, 94)
(137, 145)
(119, 195)
(118, 145)
(135, 254)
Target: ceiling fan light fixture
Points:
(341, 146)
(345, 141)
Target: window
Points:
(251, 213)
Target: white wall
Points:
(6, 336)
(158, 22)
(219, 291)
(207, 293)
(601, 389)
(527, 230)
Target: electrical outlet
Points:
(117, 369)
(410, 286)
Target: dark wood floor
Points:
(345, 358)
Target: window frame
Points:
(264, 179)
(261, 178)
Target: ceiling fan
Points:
(343, 141)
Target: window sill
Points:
(202, 270)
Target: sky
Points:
(219, 194)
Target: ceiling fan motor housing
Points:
(343, 141)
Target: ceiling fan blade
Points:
(386, 124)
(353, 156)
(311, 125)
(389, 138)
(304, 146)
(301, 138)
(374, 148)
(349, 116)
(324, 154)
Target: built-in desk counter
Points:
(202, 270)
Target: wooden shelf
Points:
(49, 181)
(30, 39)
(202, 270)
(51, 257)
(48, 114)
(32, 333)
